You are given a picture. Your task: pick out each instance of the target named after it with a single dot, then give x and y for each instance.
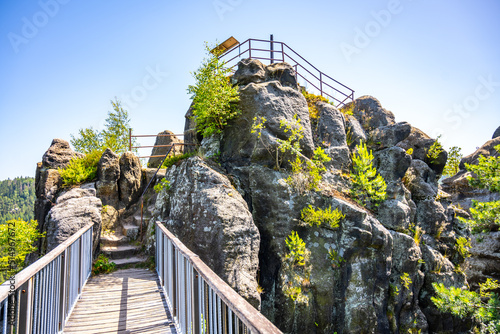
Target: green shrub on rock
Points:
(368, 187)
(80, 169)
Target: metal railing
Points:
(43, 295)
(322, 83)
(201, 302)
(130, 147)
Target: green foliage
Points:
(409, 151)
(163, 184)
(258, 125)
(368, 187)
(463, 246)
(214, 98)
(102, 265)
(80, 170)
(321, 217)
(435, 150)
(311, 103)
(485, 216)
(17, 239)
(170, 161)
(297, 248)
(454, 157)
(115, 134)
(487, 171)
(17, 199)
(335, 258)
(405, 280)
(394, 290)
(469, 304)
(292, 143)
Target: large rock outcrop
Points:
(164, 139)
(73, 210)
(210, 217)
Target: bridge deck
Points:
(126, 301)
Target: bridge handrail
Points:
(45, 302)
(208, 301)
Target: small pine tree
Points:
(214, 98)
(454, 157)
(368, 187)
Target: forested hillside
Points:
(17, 198)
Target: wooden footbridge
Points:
(57, 294)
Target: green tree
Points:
(17, 199)
(454, 157)
(368, 187)
(214, 98)
(483, 307)
(115, 134)
(485, 215)
(17, 238)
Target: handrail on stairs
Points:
(325, 85)
(40, 298)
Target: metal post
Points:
(130, 139)
(272, 49)
(321, 83)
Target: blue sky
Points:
(435, 64)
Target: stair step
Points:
(130, 261)
(120, 252)
(114, 240)
(130, 231)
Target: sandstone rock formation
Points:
(164, 138)
(205, 211)
(73, 210)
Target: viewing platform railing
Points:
(201, 302)
(41, 297)
(317, 82)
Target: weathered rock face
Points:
(108, 173)
(488, 149)
(73, 210)
(130, 178)
(485, 259)
(275, 100)
(420, 143)
(164, 138)
(58, 155)
(496, 134)
(211, 218)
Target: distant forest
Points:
(17, 199)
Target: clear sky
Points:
(435, 64)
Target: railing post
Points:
(25, 303)
(130, 139)
(272, 49)
(250, 48)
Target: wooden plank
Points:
(125, 301)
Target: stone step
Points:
(114, 240)
(130, 231)
(120, 252)
(131, 261)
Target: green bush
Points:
(170, 161)
(483, 307)
(297, 248)
(368, 187)
(320, 217)
(485, 215)
(163, 184)
(80, 170)
(102, 265)
(435, 150)
(214, 98)
(17, 239)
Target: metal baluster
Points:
(5, 306)
(219, 315)
(230, 321)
